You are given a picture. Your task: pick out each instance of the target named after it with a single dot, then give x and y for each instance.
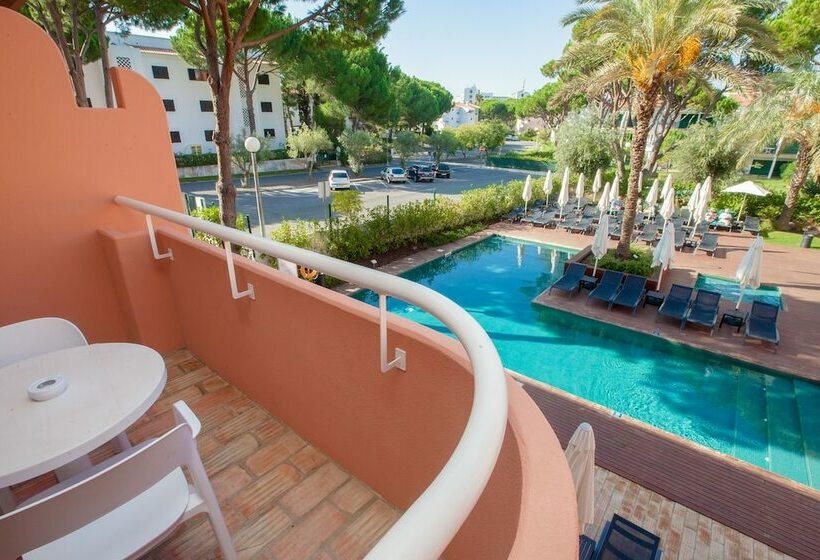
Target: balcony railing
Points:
(429, 524)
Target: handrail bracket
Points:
(232, 276)
(400, 359)
(169, 254)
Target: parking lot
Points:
(288, 197)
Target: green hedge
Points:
(209, 158)
(429, 222)
(529, 164)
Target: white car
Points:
(338, 179)
(394, 175)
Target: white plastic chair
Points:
(122, 507)
(20, 341)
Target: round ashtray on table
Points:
(47, 388)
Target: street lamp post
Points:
(252, 144)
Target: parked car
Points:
(394, 175)
(442, 170)
(338, 179)
(421, 173)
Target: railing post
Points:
(400, 360)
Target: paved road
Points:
(296, 196)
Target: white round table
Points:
(109, 387)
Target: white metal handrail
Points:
(429, 524)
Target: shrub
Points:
(211, 214)
(209, 158)
(704, 152)
(640, 263)
(360, 146)
(308, 142)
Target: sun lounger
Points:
(546, 219)
(701, 229)
(586, 548)
(675, 303)
(607, 287)
(680, 239)
(631, 293)
(762, 323)
(623, 539)
(704, 310)
(649, 233)
(570, 282)
(708, 243)
(614, 230)
(752, 225)
(528, 219)
(582, 226)
(513, 216)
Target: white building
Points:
(471, 94)
(186, 95)
(459, 114)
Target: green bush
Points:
(640, 263)
(209, 158)
(584, 145)
(360, 234)
(211, 214)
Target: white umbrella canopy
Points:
(596, 183)
(746, 188)
(705, 192)
(580, 455)
(667, 184)
(692, 203)
(665, 249)
(527, 194)
(748, 272)
(603, 202)
(668, 208)
(615, 190)
(563, 194)
(579, 189)
(599, 243)
(652, 197)
(548, 184)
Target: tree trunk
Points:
(75, 71)
(303, 104)
(249, 91)
(222, 138)
(99, 12)
(801, 172)
(646, 105)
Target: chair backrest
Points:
(23, 340)
(751, 221)
(707, 298)
(764, 312)
(624, 539)
(24, 529)
(701, 228)
(634, 282)
(650, 230)
(709, 240)
(576, 269)
(611, 277)
(679, 293)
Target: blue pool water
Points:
(730, 289)
(769, 420)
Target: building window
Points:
(196, 149)
(206, 106)
(263, 79)
(197, 75)
(123, 62)
(160, 72)
(269, 133)
(175, 137)
(88, 101)
(169, 105)
(267, 107)
(209, 135)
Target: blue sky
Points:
(496, 45)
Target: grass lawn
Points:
(787, 238)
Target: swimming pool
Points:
(730, 289)
(769, 420)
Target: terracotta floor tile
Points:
(314, 489)
(261, 531)
(304, 539)
(357, 538)
(229, 482)
(275, 453)
(234, 451)
(352, 496)
(308, 459)
(259, 495)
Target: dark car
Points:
(442, 170)
(421, 173)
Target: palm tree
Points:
(790, 112)
(654, 43)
